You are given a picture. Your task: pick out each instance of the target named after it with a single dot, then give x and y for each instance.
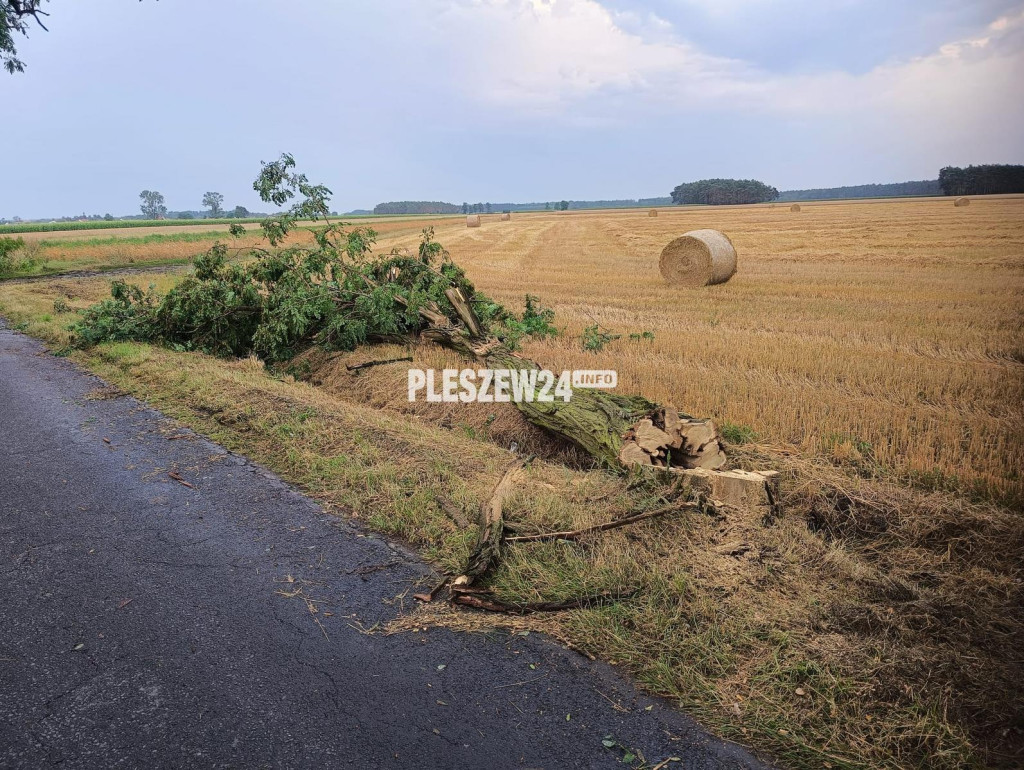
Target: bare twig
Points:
(368, 364)
(493, 604)
(28, 8)
(575, 534)
(178, 477)
(519, 684)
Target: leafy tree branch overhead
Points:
(15, 19)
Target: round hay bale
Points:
(473, 220)
(505, 217)
(698, 258)
(652, 213)
(795, 207)
(962, 202)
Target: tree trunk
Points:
(618, 430)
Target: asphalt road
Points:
(141, 623)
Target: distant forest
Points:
(440, 207)
(718, 192)
(973, 180)
(982, 180)
(924, 187)
(416, 207)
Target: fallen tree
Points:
(334, 293)
(617, 429)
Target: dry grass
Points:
(876, 624)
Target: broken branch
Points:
(493, 604)
(432, 594)
(575, 534)
(368, 364)
(491, 527)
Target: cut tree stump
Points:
(649, 438)
(632, 454)
(679, 442)
(753, 491)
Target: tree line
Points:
(974, 180)
(440, 207)
(992, 179)
(896, 189)
(416, 207)
(717, 192)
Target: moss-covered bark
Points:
(595, 420)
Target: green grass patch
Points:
(54, 227)
(136, 240)
(735, 433)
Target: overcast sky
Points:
(502, 100)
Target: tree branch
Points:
(31, 8)
(575, 534)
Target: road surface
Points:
(145, 623)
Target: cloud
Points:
(510, 99)
(578, 61)
(965, 93)
(539, 55)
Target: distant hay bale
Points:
(698, 258)
(795, 207)
(473, 220)
(962, 202)
(652, 213)
(505, 217)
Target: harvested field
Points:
(886, 331)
